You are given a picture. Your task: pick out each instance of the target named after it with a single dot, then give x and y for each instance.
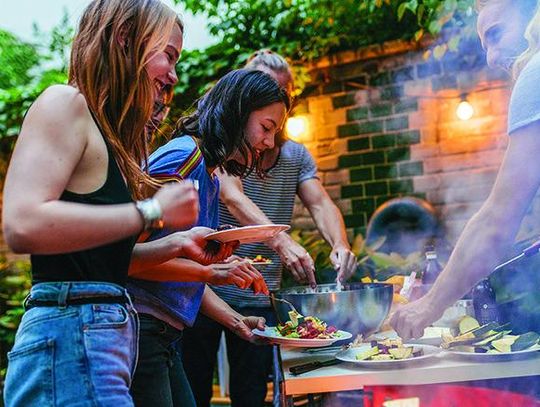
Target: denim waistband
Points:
(64, 292)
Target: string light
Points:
(296, 127)
(464, 110)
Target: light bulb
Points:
(464, 110)
(296, 127)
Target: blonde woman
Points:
(493, 228)
(73, 200)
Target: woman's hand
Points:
(179, 203)
(245, 325)
(193, 245)
(243, 275)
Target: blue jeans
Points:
(73, 355)
(160, 380)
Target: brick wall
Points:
(382, 124)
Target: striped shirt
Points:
(275, 196)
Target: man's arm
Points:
(489, 233)
(293, 256)
(330, 223)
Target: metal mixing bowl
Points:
(358, 308)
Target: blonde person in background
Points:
(492, 230)
(289, 171)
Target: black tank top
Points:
(107, 263)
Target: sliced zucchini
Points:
(504, 345)
(401, 353)
(493, 337)
(367, 353)
(525, 341)
(467, 323)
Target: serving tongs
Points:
(527, 252)
(308, 367)
(288, 303)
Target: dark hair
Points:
(222, 115)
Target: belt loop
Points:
(129, 302)
(63, 295)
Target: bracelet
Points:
(151, 213)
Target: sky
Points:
(17, 16)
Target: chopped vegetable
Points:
(487, 340)
(368, 353)
(467, 323)
(401, 353)
(504, 344)
(260, 259)
(296, 318)
(306, 328)
(490, 338)
(387, 349)
(525, 341)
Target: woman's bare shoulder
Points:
(60, 103)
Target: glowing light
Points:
(296, 127)
(464, 110)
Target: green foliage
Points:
(304, 30)
(14, 286)
(17, 58)
(371, 263)
(27, 70)
(432, 16)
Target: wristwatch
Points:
(151, 213)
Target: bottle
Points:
(432, 268)
(484, 303)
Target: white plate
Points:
(247, 234)
(349, 355)
(275, 338)
(494, 357)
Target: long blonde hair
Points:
(271, 60)
(532, 35)
(113, 79)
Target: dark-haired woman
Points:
(236, 120)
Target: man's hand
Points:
(295, 258)
(243, 275)
(344, 262)
(244, 326)
(411, 319)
